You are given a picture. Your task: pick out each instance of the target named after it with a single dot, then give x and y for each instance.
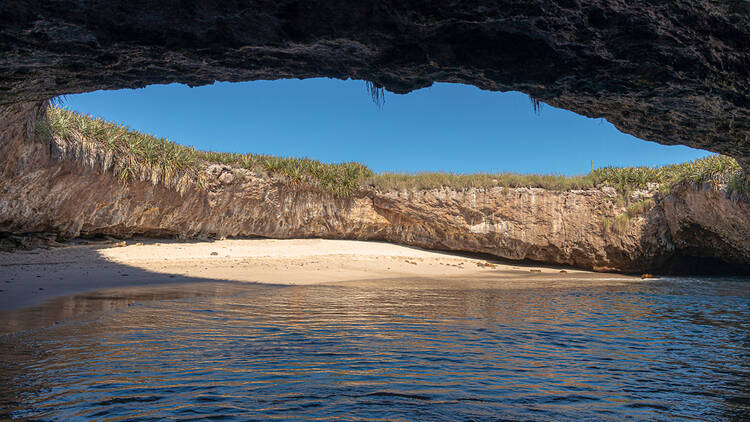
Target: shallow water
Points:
(392, 350)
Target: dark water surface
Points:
(394, 350)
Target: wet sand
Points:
(28, 278)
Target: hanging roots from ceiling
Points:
(536, 104)
(377, 93)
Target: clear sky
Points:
(447, 127)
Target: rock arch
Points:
(670, 72)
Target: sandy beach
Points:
(29, 278)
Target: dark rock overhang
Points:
(674, 72)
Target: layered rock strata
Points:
(44, 188)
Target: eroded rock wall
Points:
(43, 190)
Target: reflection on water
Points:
(74, 306)
(673, 349)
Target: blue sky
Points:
(448, 127)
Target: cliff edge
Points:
(67, 188)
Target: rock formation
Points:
(43, 190)
(675, 72)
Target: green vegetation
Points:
(129, 153)
(431, 180)
(132, 154)
(714, 169)
(639, 208)
(339, 179)
(618, 224)
(621, 223)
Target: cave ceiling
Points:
(673, 72)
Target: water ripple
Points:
(671, 349)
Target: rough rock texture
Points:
(703, 223)
(42, 190)
(674, 72)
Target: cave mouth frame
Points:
(673, 73)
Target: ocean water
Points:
(671, 349)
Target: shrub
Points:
(714, 169)
(133, 154)
(619, 224)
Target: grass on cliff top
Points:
(715, 169)
(135, 155)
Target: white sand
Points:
(28, 278)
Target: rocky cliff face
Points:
(42, 189)
(675, 72)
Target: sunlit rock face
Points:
(674, 72)
(59, 189)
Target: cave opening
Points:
(452, 128)
(181, 155)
